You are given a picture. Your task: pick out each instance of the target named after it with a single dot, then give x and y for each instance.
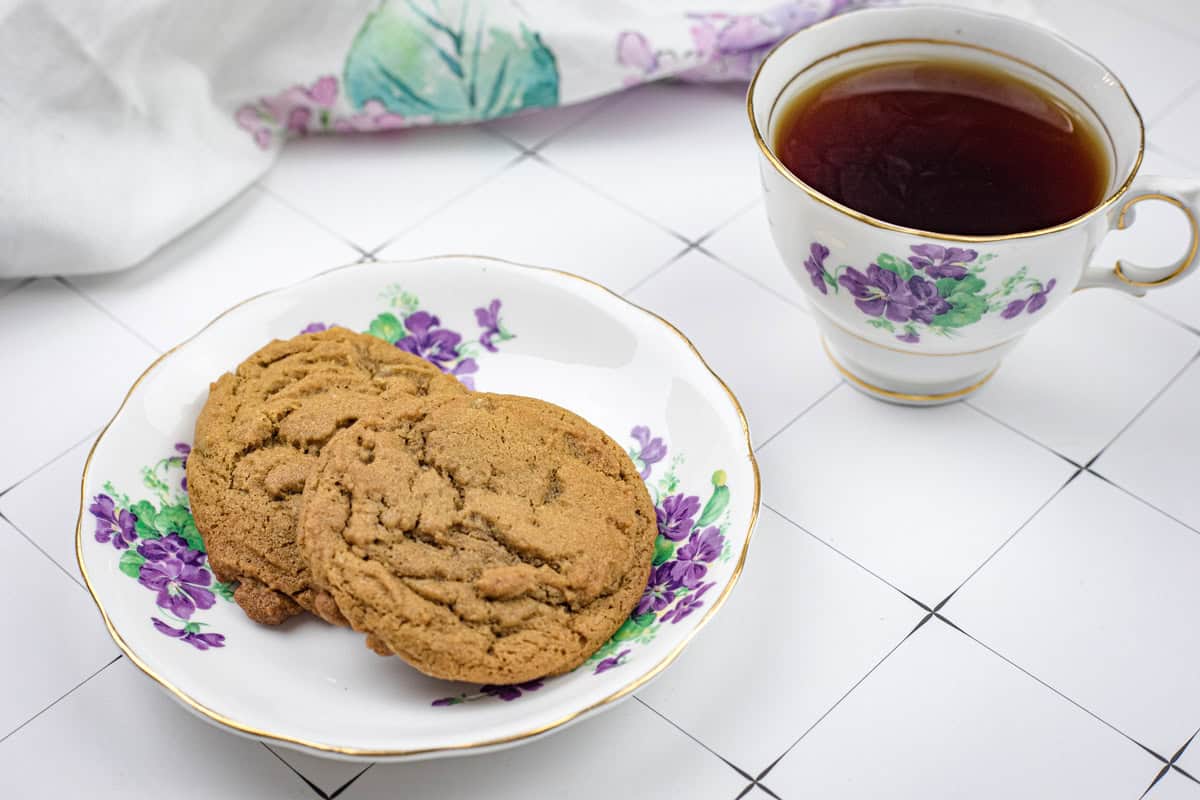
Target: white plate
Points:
(316, 687)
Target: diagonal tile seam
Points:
(1166, 315)
(689, 735)
(561, 171)
(61, 697)
(603, 102)
(767, 789)
(656, 271)
(736, 215)
(931, 608)
(930, 613)
(971, 405)
(90, 437)
(1171, 765)
(38, 547)
(1179, 99)
(954, 626)
(840, 383)
(423, 218)
(1138, 11)
(1149, 404)
(851, 559)
(508, 140)
(798, 306)
(1144, 501)
(87, 298)
(274, 196)
(1144, 408)
(750, 788)
(353, 778)
(759, 778)
(20, 283)
(486, 177)
(317, 789)
(1070, 479)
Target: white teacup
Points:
(1024, 276)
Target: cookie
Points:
(491, 538)
(258, 436)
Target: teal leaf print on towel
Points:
(450, 62)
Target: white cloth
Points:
(125, 122)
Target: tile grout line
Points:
(1063, 695)
(450, 201)
(1152, 19)
(1169, 317)
(1143, 501)
(851, 559)
(262, 186)
(297, 772)
(520, 148)
(970, 404)
(1175, 102)
(561, 171)
(840, 383)
(642, 281)
(90, 437)
(38, 547)
(1154, 399)
(758, 778)
(20, 284)
(725, 223)
(1185, 774)
(745, 792)
(605, 102)
(753, 279)
(96, 305)
(354, 778)
(767, 789)
(62, 697)
(1172, 765)
(1079, 471)
(691, 736)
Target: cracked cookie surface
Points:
(490, 538)
(259, 434)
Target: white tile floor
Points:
(1052, 522)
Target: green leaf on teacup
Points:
(897, 265)
(881, 323)
(966, 309)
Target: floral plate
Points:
(498, 327)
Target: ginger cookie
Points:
(259, 434)
(490, 538)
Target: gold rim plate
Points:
(375, 754)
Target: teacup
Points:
(1015, 279)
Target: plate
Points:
(499, 327)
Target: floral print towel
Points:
(125, 127)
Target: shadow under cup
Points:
(887, 362)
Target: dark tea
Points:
(944, 146)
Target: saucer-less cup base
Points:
(976, 296)
(907, 378)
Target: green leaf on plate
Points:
(131, 563)
(387, 327)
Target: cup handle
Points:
(1184, 194)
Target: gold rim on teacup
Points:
(779, 166)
